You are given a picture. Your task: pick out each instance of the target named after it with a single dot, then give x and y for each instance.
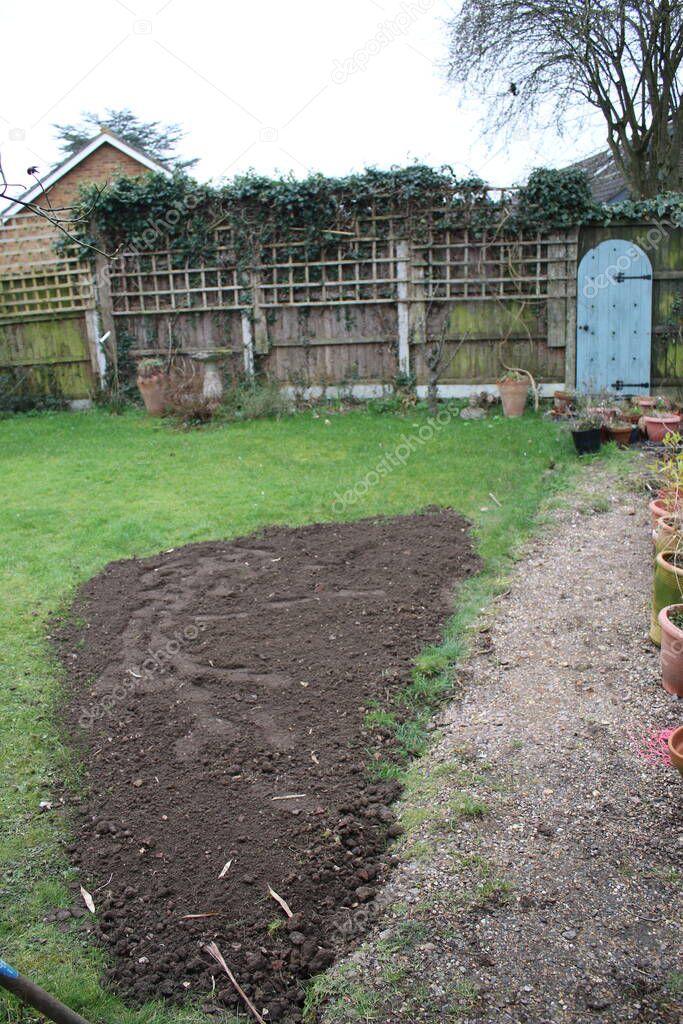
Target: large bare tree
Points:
(532, 60)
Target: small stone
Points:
(137, 783)
(569, 935)
(599, 999)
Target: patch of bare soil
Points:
(218, 698)
(543, 871)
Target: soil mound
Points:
(218, 695)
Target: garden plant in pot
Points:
(671, 625)
(587, 432)
(660, 421)
(620, 432)
(152, 380)
(669, 500)
(514, 389)
(667, 588)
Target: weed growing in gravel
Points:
(413, 817)
(466, 806)
(462, 998)
(492, 890)
(597, 504)
(345, 1000)
(675, 983)
(670, 875)
(421, 850)
(404, 937)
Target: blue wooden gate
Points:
(614, 319)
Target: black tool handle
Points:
(36, 997)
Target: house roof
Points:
(606, 181)
(106, 137)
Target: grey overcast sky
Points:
(308, 85)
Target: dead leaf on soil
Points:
(225, 870)
(88, 900)
(283, 903)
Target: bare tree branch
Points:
(542, 59)
(64, 218)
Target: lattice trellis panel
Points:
(464, 265)
(366, 265)
(35, 280)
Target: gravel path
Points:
(542, 864)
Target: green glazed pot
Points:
(668, 589)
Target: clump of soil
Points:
(219, 694)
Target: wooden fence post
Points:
(247, 343)
(261, 342)
(403, 304)
(562, 297)
(104, 307)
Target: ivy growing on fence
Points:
(154, 211)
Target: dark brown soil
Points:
(219, 694)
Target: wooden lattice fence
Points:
(361, 302)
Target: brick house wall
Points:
(27, 239)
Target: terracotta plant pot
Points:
(667, 534)
(622, 435)
(660, 507)
(646, 403)
(632, 417)
(562, 401)
(513, 394)
(667, 590)
(658, 427)
(672, 651)
(675, 744)
(153, 391)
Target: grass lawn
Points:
(79, 490)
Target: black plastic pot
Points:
(587, 442)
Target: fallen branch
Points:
(213, 950)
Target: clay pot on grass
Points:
(667, 588)
(670, 624)
(513, 395)
(658, 427)
(675, 744)
(151, 381)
